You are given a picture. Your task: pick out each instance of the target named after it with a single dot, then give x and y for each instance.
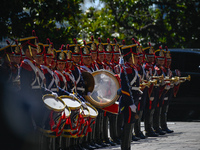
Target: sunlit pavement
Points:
(186, 136)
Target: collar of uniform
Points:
(115, 61)
(90, 66)
(130, 65)
(99, 62)
(106, 62)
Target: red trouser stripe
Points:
(138, 106)
(129, 118)
(150, 104)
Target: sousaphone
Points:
(105, 89)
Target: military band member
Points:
(130, 93)
(86, 59)
(159, 67)
(100, 56)
(115, 119)
(93, 48)
(115, 60)
(108, 50)
(152, 91)
(142, 99)
(51, 79)
(75, 68)
(60, 68)
(169, 94)
(99, 120)
(86, 66)
(108, 55)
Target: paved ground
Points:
(185, 137)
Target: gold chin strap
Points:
(133, 58)
(29, 47)
(8, 57)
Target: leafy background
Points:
(161, 22)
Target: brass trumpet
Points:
(147, 84)
(151, 81)
(173, 79)
(158, 77)
(183, 79)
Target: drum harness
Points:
(54, 78)
(37, 71)
(62, 78)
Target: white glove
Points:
(151, 98)
(89, 93)
(84, 105)
(72, 95)
(121, 60)
(54, 94)
(133, 108)
(167, 87)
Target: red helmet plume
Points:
(92, 38)
(134, 41)
(33, 33)
(84, 42)
(108, 40)
(149, 44)
(99, 39)
(75, 41)
(8, 42)
(115, 41)
(123, 42)
(166, 48)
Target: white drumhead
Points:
(92, 111)
(86, 112)
(54, 103)
(71, 103)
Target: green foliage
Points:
(19, 17)
(171, 23)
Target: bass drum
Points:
(104, 93)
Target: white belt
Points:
(135, 88)
(166, 98)
(80, 89)
(36, 87)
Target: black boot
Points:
(134, 138)
(137, 126)
(163, 119)
(141, 135)
(156, 121)
(109, 141)
(148, 120)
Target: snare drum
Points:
(84, 121)
(73, 122)
(92, 117)
(52, 117)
